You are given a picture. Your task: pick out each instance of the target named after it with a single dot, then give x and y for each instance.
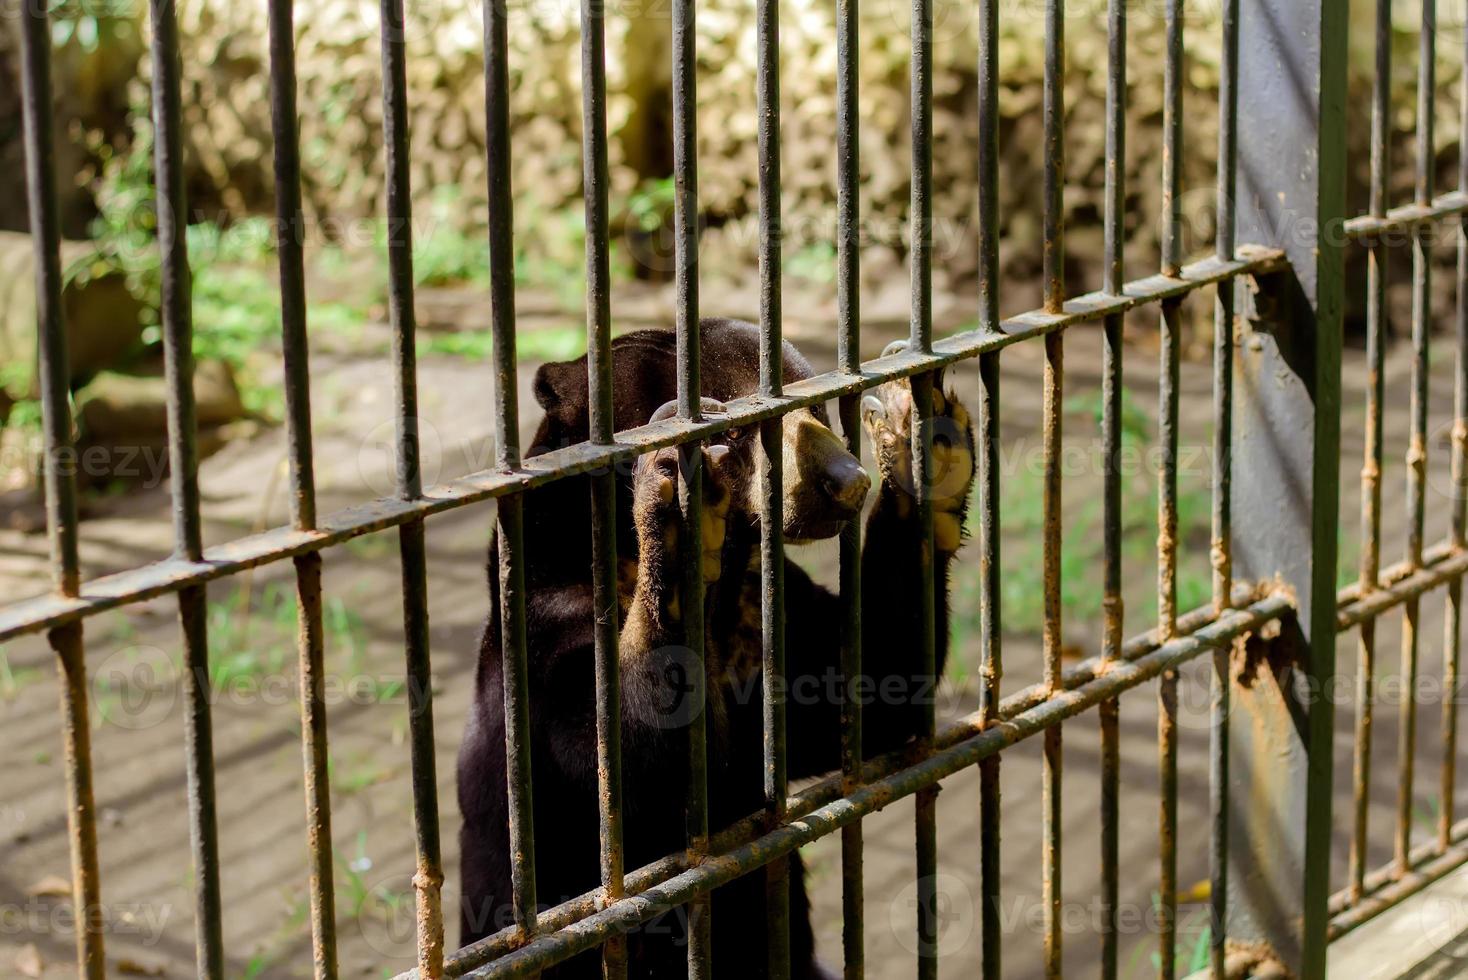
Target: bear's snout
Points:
(847, 484)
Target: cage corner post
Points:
(1285, 465)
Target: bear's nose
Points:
(846, 483)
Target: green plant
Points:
(650, 205)
(89, 25)
(13, 680)
(815, 262)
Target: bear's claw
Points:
(888, 417)
(655, 510)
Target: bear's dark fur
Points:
(559, 623)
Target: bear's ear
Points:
(560, 387)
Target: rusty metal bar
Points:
(991, 662)
(290, 244)
(920, 209)
(1417, 448)
(1053, 263)
(290, 234)
(1386, 888)
(991, 658)
(826, 819)
(1221, 552)
(1453, 622)
(428, 874)
(1372, 465)
(772, 499)
(51, 348)
(1433, 574)
(254, 550)
(926, 397)
(852, 887)
(510, 516)
(176, 313)
(1051, 641)
(1167, 414)
(1053, 257)
(1407, 218)
(690, 484)
(848, 361)
(1172, 140)
(829, 789)
(1112, 605)
(595, 187)
(61, 511)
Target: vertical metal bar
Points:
(1452, 625)
(685, 207)
(1172, 141)
(924, 397)
(1053, 259)
(921, 339)
(921, 206)
(53, 371)
(603, 484)
(772, 503)
(1054, 290)
(1167, 628)
(1452, 642)
(511, 508)
(1373, 456)
(1113, 608)
(690, 484)
(61, 511)
(1167, 414)
(81, 810)
(848, 183)
(1417, 447)
(178, 357)
(290, 240)
(310, 645)
(1222, 545)
(991, 667)
(848, 358)
(428, 875)
(852, 886)
(1050, 806)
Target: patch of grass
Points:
(1082, 554)
(13, 680)
(815, 263)
(561, 343)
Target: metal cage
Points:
(1295, 270)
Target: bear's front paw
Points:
(888, 417)
(655, 506)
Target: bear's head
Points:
(824, 486)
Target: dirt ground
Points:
(137, 721)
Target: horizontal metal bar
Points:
(172, 575)
(712, 872)
(1449, 565)
(1386, 888)
(828, 790)
(1444, 206)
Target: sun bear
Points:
(824, 487)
